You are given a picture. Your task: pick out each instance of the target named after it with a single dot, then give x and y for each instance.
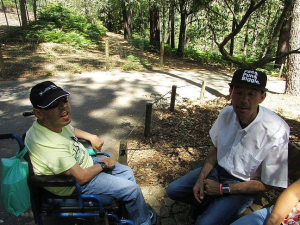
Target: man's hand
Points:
(211, 187)
(109, 162)
(198, 190)
(97, 143)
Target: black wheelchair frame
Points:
(78, 205)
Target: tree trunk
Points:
(293, 73)
(154, 26)
(35, 10)
(255, 34)
(127, 20)
(172, 20)
(181, 43)
(283, 42)
(246, 41)
(23, 13)
(236, 5)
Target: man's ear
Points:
(262, 97)
(230, 91)
(38, 113)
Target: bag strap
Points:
(21, 153)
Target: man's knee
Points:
(210, 219)
(171, 190)
(202, 219)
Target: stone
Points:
(157, 210)
(168, 202)
(158, 191)
(165, 211)
(179, 207)
(153, 201)
(168, 221)
(182, 218)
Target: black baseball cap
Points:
(249, 78)
(45, 93)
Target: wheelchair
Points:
(78, 205)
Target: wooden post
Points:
(162, 49)
(2, 63)
(202, 90)
(107, 54)
(148, 120)
(281, 69)
(173, 97)
(123, 152)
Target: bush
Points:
(61, 25)
(131, 64)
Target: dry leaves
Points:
(178, 138)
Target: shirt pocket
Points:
(245, 162)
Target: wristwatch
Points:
(225, 189)
(104, 166)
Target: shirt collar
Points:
(253, 123)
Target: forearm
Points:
(210, 162)
(248, 187)
(83, 176)
(89, 173)
(83, 134)
(285, 203)
(96, 142)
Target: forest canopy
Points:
(246, 34)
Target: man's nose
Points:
(62, 104)
(244, 97)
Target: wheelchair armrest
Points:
(51, 181)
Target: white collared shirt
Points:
(257, 152)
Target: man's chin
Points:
(66, 121)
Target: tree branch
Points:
(261, 62)
(214, 12)
(239, 26)
(277, 28)
(213, 33)
(232, 12)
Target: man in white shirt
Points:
(249, 155)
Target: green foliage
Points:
(61, 25)
(132, 63)
(7, 4)
(205, 57)
(189, 53)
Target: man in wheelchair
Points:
(54, 149)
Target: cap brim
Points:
(249, 86)
(53, 97)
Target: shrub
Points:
(61, 25)
(131, 64)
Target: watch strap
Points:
(104, 166)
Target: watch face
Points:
(103, 165)
(226, 190)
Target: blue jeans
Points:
(258, 217)
(217, 209)
(121, 185)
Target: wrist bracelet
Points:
(221, 191)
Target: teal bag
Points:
(14, 188)
(91, 152)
